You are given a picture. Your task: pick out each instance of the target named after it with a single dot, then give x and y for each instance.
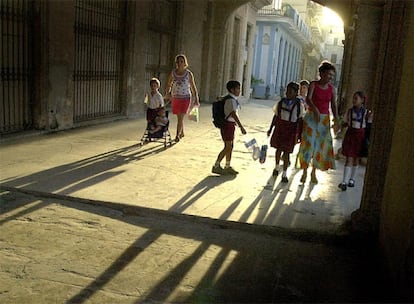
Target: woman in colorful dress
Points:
(180, 88)
(316, 144)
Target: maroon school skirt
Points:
(353, 142)
(284, 136)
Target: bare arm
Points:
(273, 123)
(334, 108)
(194, 89)
(168, 87)
(310, 103)
(236, 118)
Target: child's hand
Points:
(243, 130)
(268, 133)
(336, 126)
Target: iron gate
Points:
(99, 37)
(16, 65)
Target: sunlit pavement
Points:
(106, 163)
(92, 217)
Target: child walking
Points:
(352, 144)
(303, 91)
(231, 106)
(285, 123)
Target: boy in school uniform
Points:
(231, 107)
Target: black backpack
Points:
(219, 118)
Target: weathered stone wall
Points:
(365, 49)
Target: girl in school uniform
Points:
(356, 120)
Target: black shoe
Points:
(284, 179)
(351, 183)
(217, 170)
(230, 171)
(275, 172)
(342, 186)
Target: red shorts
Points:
(180, 105)
(227, 132)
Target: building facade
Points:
(281, 37)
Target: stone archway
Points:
(367, 42)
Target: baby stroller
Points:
(162, 135)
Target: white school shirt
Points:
(155, 101)
(356, 121)
(231, 104)
(291, 106)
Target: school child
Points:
(160, 121)
(285, 123)
(231, 107)
(352, 144)
(303, 91)
(154, 100)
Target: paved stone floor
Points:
(106, 163)
(90, 216)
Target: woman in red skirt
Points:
(290, 111)
(356, 119)
(180, 88)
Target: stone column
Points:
(61, 50)
(380, 30)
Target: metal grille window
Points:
(16, 65)
(161, 36)
(99, 37)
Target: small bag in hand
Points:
(194, 114)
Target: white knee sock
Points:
(347, 173)
(353, 172)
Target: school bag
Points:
(219, 118)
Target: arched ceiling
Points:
(341, 7)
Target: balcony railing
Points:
(269, 12)
(287, 13)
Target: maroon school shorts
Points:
(227, 132)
